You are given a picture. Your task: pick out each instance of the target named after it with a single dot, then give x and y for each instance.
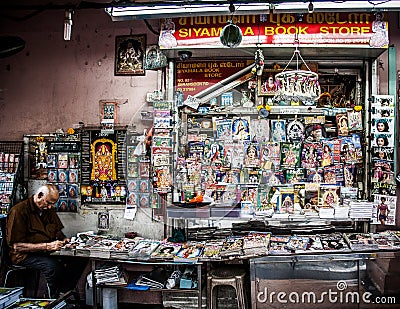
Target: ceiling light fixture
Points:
(184, 55)
(68, 24)
(140, 11)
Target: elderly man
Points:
(33, 231)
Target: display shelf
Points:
(11, 178)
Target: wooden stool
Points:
(233, 276)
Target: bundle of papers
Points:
(108, 274)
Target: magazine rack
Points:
(11, 163)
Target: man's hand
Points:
(45, 246)
(55, 245)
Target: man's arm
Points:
(23, 247)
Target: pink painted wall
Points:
(54, 83)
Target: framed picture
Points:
(130, 54)
(267, 84)
(108, 111)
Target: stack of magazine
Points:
(9, 296)
(108, 274)
(156, 279)
(31, 303)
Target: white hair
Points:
(43, 189)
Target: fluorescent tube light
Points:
(142, 11)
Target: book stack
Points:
(69, 248)
(326, 212)
(360, 210)
(82, 250)
(102, 248)
(342, 212)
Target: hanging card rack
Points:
(297, 85)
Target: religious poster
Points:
(103, 179)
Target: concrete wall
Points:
(54, 84)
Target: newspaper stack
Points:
(108, 274)
(360, 210)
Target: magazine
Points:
(382, 153)
(290, 154)
(259, 129)
(223, 128)
(314, 244)
(166, 250)
(212, 250)
(311, 155)
(34, 303)
(277, 244)
(387, 241)
(361, 241)
(241, 128)
(354, 120)
(350, 151)
(256, 243)
(189, 252)
(270, 155)
(278, 131)
(144, 249)
(232, 246)
(295, 131)
(342, 124)
(297, 243)
(286, 200)
(334, 241)
(329, 195)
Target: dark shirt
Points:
(25, 224)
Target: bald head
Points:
(46, 196)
